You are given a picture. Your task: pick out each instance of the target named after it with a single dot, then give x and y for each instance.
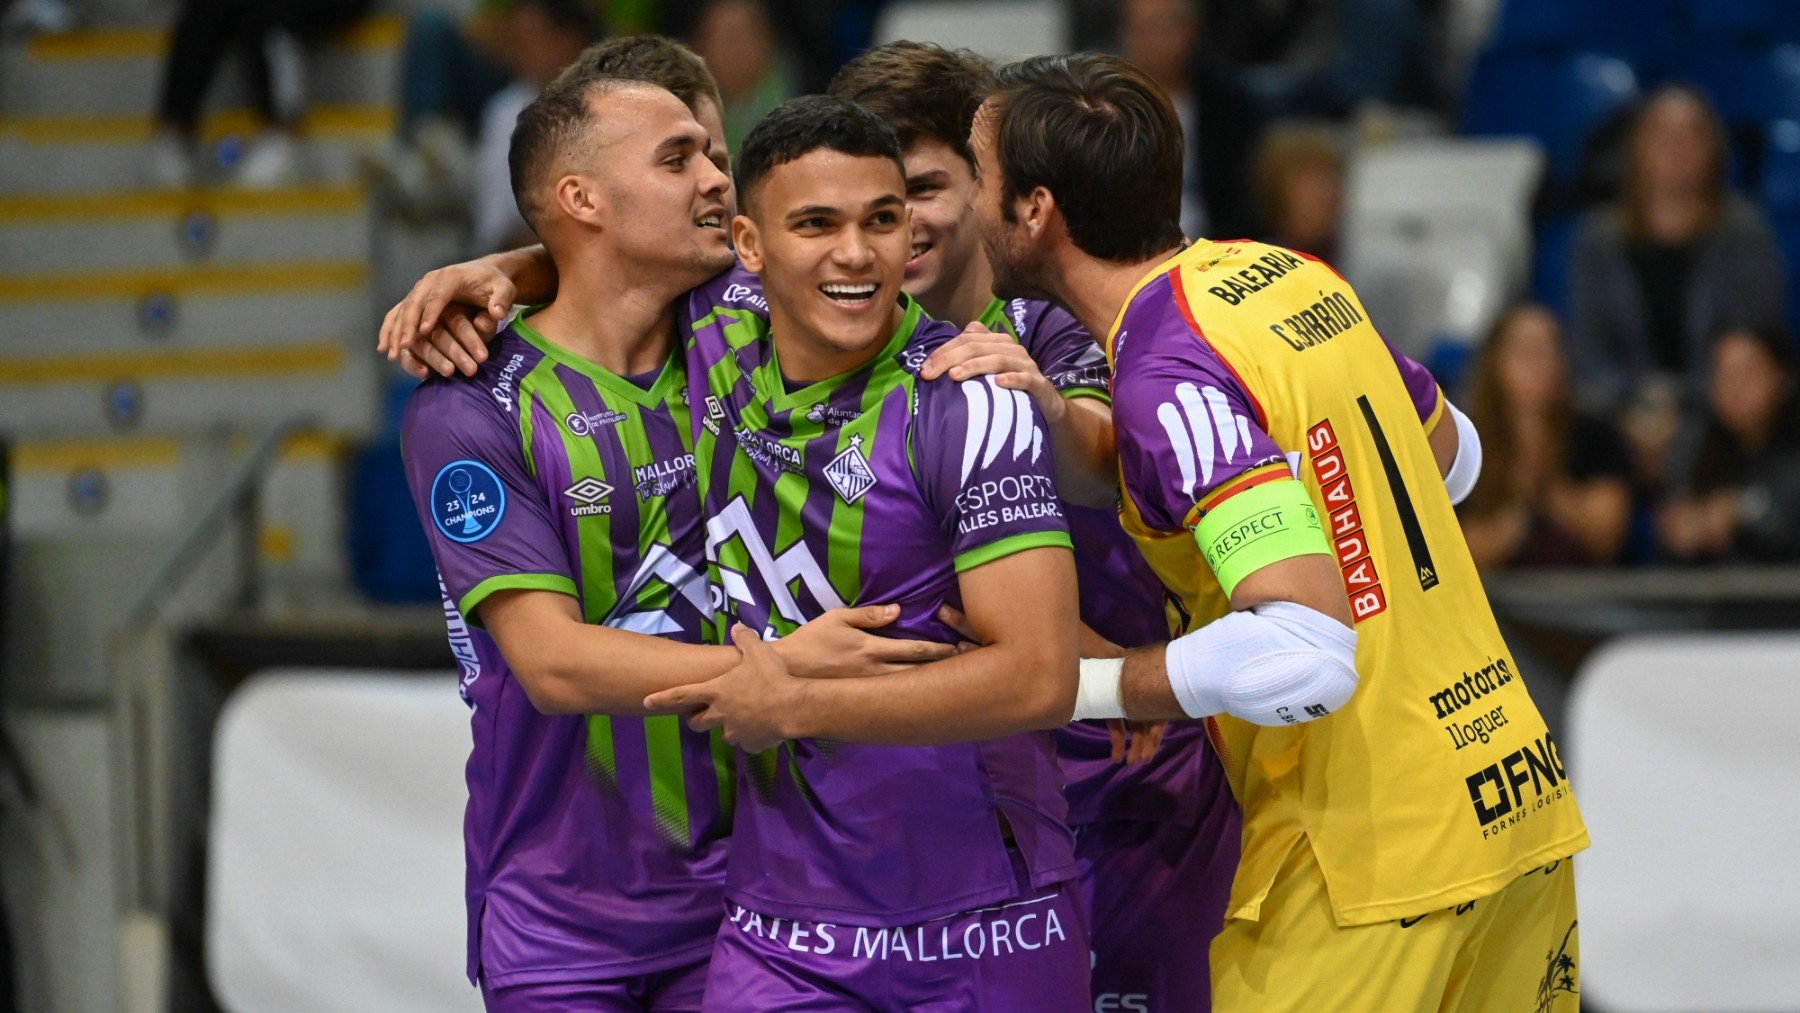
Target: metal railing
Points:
(141, 680)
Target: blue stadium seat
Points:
(1781, 168)
(1639, 30)
(1787, 235)
(1751, 85)
(1554, 239)
(390, 560)
(1554, 98)
(1757, 21)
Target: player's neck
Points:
(1095, 290)
(807, 358)
(971, 297)
(602, 316)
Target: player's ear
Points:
(578, 197)
(746, 238)
(1035, 211)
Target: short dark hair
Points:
(801, 126)
(920, 89)
(656, 59)
(1104, 140)
(546, 131)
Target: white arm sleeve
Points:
(1277, 664)
(1460, 480)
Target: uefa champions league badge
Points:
(467, 501)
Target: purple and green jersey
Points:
(1121, 599)
(871, 487)
(595, 845)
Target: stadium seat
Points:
(1781, 168)
(1787, 236)
(1553, 98)
(1553, 249)
(1756, 21)
(335, 875)
(1751, 85)
(997, 29)
(1689, 897)
(1635, 29)
(1436, 237)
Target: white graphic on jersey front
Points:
(997, 418)
(1202, 431)
(849, 472)
(777, 573)
(660, 563)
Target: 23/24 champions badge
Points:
(467, 501)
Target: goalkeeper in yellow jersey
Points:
(1408, 821)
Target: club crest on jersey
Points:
(589, 496)
(849, 472)
(582, 423)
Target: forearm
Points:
(1144, 686)
(985, 693)
(531, 270)
(586, 669)
(1081, 436)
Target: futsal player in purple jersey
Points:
(1157, 839)
(557, 491)
(889, 849)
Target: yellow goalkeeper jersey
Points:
(1237, 363)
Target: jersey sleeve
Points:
(982, 457)
(1188, 432)
(1421, 387)
(1064, 351)
(484, 515)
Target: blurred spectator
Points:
(543, 37)
(1300, 188)
(269, 35)
(1677, 259)
(1219, 119)
(1555, 487)
(1323, 58)
(737, 41)
(1735, 474)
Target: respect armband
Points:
(1263, 524)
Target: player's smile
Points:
(851, 296)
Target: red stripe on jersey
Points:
(1187, 313)
(1246, 481)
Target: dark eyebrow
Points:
(935, 177)
(678, 142)
(884, 201)
(812, 210)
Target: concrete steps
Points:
(119, 71)
(74, 154)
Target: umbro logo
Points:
(589, 496)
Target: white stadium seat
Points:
(335, 871)
(997, 29)
(1437, 236)
(1688, 773)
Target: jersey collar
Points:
(659, 391)
(770, 388)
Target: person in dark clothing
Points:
(1555, 486)
(1735, 472)
(1676, 260)
(270, 36)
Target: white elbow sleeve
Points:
(1277, 664)
(1460, 480)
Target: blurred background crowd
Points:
(1583, 216)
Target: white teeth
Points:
(917, 250)
(850, 291)
(709, 222)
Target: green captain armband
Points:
(1264, 524)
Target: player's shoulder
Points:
(492, 391)
(734, 290)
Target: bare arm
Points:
(449, 316)
(1443, 443)
(570, 667)
(1022, 605)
